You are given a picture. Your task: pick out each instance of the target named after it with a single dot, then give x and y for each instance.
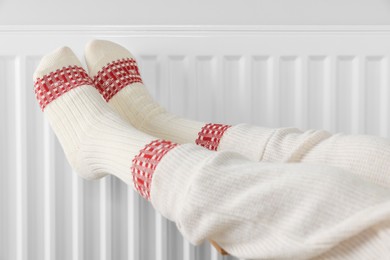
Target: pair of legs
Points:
(252, 209)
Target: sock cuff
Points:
(210, 135)
(116, 75)
(144, 164)
(56, 83)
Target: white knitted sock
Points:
(117, 77)
(96, 141)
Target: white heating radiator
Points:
(333, 78)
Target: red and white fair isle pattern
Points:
(51, 86)
(210, 135)
(115, 76)
(145, 163)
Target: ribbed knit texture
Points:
(366, 156)
(272, 210)
(96, 141)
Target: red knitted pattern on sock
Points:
(210, 135)
(115, 76)
(145, 163)
(53, 85)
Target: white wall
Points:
(200, 12)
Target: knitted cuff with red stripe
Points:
(51, 86)
(210, 135)
(115, 76)
(145, 163)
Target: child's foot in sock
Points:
(96, 140)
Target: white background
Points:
(201, 12)
(307, 64)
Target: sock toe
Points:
(98, 53)
(58, 59)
